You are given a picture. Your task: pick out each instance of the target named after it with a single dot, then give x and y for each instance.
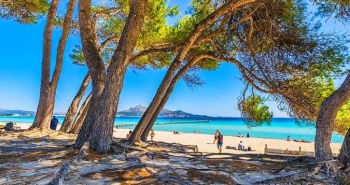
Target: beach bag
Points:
(9, 126)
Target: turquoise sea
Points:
(279, 128)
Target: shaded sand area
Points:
(33, 157)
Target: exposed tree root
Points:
(65, 168)
(289, 179)
(330, 168)
(166, 178)
(289, 163)
(25, 150)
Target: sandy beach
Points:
(39, 156)
(204, 142)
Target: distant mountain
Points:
(139, 110)
(16, 112)
(136, 111)
(6, 112)
(133, 111)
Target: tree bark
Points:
(45, 66)
(325, 120)
(166, 96)
(49, 98)
(79, 119)
(101, 114)
(209, 20)
(95, 65)
(72, 110)
(344, 156)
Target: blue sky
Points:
(20, 71)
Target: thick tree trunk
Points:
(344, 156)
(95, 65)
(100, 119)
(79, 119)
(147, 115)
(212, 18)
(72, 110)
(45, 67)
(49, 102)
(166, 96)
(325, 120)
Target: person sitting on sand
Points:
(176, 132)
(288, 138)
(129, 134)
(220, 141)
(239, 135)
(152, 134)
(216, 136)
(240, 146)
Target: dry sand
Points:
(204, 142)
(35, 157)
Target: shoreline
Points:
(27, 125)
(204, 142)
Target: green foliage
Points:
(339, 8)
(23, 11)
(342, 121)
(255, 112)
(208, 64)
(77, 56)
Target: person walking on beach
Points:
(220, 141)
(54, 122)
(152, 134)
(216, 136)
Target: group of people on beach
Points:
(152, 134)
(298, 140)
(220, 140)
(240, 135)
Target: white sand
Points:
(205, 141)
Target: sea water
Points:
(279, 128)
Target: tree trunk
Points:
(147, 115)
(166, 96)
(49, 102)
(45, 67)
(72, 110)
(325, 120)
(344, 156)
(95, 65)
(79, 119)
(209, 20)
(102, 111)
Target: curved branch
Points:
(152, 49)
(107, 41)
